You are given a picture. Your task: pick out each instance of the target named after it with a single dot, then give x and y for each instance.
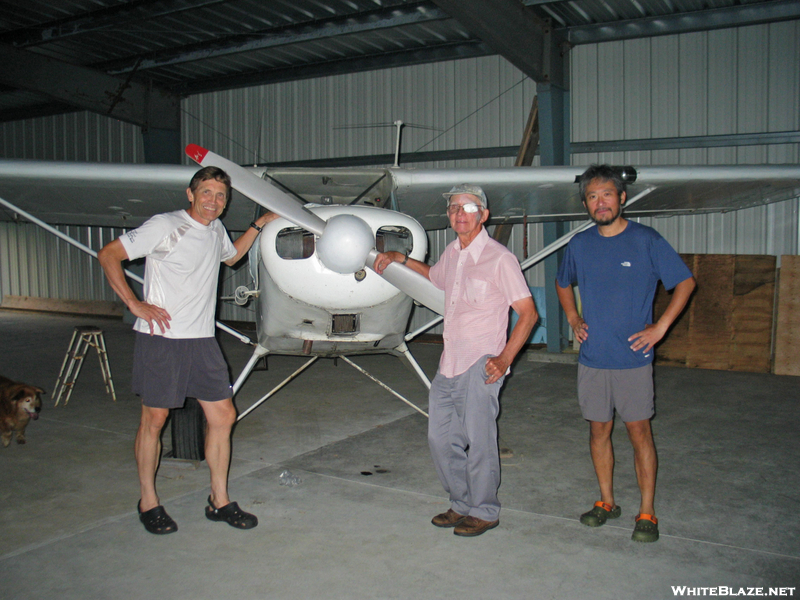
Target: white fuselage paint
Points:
(299, 297)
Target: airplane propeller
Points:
(346, 243)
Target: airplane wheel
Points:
(188, 425)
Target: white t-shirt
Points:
(181, 270)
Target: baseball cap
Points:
(467, 188)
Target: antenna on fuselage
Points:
(399, 124)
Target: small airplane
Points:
(315, 291)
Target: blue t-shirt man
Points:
(617, 265)
(617, 278)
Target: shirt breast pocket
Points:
(475, 292)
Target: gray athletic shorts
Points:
(167, 371)
(629, 391)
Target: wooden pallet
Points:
(728, 322)
(787, 329)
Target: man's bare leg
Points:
(603, 458)
(147, 449)
(646, 462)
(220, 417)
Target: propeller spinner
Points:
(346, 243)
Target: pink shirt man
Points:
(481, 279)
(480, 282)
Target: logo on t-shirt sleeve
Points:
(131, 236)
(625, 264)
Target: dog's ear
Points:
(39, 390)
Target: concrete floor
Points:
(358, 524)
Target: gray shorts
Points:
(629, 391)
(167, 371)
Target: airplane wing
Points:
(124, 195)
(550, 193)
(104, 194)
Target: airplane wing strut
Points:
(60, 234)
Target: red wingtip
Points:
(196, 153)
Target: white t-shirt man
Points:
(181, 271)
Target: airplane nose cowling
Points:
(345, 243)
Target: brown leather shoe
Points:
(472, 526)
(448, 519)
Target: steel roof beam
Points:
(99, 20)
(701, 20)
(516, 33)
(416, 56)
(708, 141)
(126, 100)
(341, 25)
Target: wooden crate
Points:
(728, 322)
(787, 330)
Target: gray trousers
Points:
(462, 435)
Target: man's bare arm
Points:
(652, 334)
(497, 366)
(385, 258)
(245, 241)
(110, 258)
(566, 296)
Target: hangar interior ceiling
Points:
(134, 60)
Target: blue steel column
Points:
(554, 133)
(162, 146)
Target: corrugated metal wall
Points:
(81, 136)
(724, 82)
(37, 263)
(469, 104)
(732, 81)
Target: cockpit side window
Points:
(394, 238)
(294, 243)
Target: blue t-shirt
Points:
(617, 278)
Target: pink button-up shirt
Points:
(480, 283)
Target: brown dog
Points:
(19, 403)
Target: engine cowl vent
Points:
(344, 324)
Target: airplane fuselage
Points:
(306, 308)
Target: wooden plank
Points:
(527, 150)
(787, 330)
(100, 308)
(530, 137)
(710, 325)
(728, 323)
(751, 319)
(672, 350)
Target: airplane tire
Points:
(188, 426)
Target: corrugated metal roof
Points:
(194, 46)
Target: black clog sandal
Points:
(231, 514)
(156, 520)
